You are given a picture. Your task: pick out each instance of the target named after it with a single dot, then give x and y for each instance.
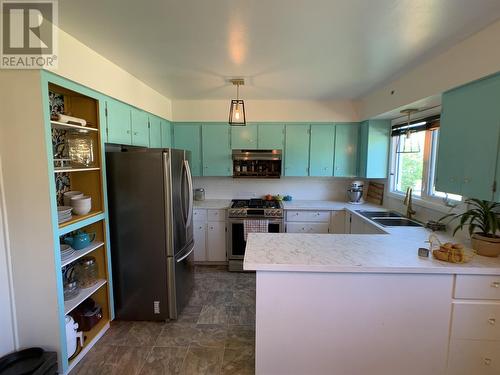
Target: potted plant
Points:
(483, 219)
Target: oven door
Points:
(236, 240)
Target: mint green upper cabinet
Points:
(118, 122)
(216, 150)
(346, 149)
(187, 136)
(166, 133)
(140, 128)
(297, 150)
(244, 137)
(468, 140)
(154, 132)
(374, 148)
(322, 150)
(271, 137)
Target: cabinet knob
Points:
(466, 180)
(135, 133)
(128, 131)
(487, 361)
(492, 321)
(495, 284)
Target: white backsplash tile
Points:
(307, 188)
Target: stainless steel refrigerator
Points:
(150, 199)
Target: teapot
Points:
(79, 240)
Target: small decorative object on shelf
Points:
(80, 150)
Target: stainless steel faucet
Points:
(408, 203)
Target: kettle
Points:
(79, 240)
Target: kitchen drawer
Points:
(477, 287)
(315, 216)
(216, 215)
(476, 321)
(199, 214)
(307, 227)
(476, 357)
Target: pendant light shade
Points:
(237, 108)
(409, 144)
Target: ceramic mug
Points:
(79, 240)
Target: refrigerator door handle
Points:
(190, 187)
(186, 255)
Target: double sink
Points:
(389, 219)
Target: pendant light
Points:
(410, 144)
(237, 109)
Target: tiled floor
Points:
(214, 335)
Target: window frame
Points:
(427, 197)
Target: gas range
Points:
(255, 208)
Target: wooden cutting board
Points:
(375, 193)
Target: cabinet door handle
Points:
(492, 321)
(487, 361)
(128, 131)
(495, 284)
(135, 133)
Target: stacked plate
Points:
(66, 252)
(63, 213)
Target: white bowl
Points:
(81, 210)
(70, 194)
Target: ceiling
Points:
(285, 49)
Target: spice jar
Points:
(87, 272)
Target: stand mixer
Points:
(355, 192)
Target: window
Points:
(417, 170)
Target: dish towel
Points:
(254, 226)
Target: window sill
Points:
(440, 207)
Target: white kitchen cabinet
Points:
(314, 216)
(200, 235)
(476, 357)
(477, 287)
(209, 234)
(476, 321)
(216, 241)
(307, 227)
(358, 225)
(337, 222)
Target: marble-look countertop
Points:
(216, 204)
(393, 252)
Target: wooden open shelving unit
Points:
(90, 181)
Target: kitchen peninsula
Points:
(358, 304)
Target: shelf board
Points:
(65, 126)
(81, 223)
(71, 304)
(80, 253)
(70, 169)
(77, 218)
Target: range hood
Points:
(256, 154)
(256, 163)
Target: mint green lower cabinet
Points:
(322, 150)
(244, 137)
(187, 136)
(216, 150)
(118, 125)
(271, 137)
(166, 133)
(154, 132)
(346, 150)
(297, 150)
(140, 128)
(374, 148)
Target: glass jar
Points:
(199, 194)
(87, 272)
(80, 149)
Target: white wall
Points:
(267, 110)
(471, 59)
(303, 188)
(81, 64)
(7, 326)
